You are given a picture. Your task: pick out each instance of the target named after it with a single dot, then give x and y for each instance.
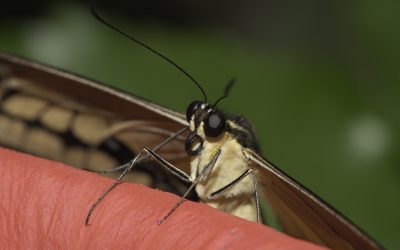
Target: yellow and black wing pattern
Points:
(53, 115)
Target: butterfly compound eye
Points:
(195, 105)
(214, 124)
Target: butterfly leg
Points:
(217, 194)
(174, 170)
(155, 149)
(205, 172)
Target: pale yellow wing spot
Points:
(89, 128)
(57, 118)
(16, 106)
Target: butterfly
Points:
(45, 90)
(205, 149)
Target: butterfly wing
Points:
(60, 116)
(303, 214)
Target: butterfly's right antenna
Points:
(228, 88)
(102, 20)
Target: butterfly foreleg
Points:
(205, 172)
(174, 170)
(155, 149)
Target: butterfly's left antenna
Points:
(102, 20)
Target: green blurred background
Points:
(319, 80)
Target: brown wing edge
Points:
(78, 86)
(305, 215)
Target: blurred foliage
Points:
(320, 80)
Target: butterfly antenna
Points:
(228, 88)
(102, 20)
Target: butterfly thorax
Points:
(231, 163)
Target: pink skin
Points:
(44, 205)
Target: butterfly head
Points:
(205, 123)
